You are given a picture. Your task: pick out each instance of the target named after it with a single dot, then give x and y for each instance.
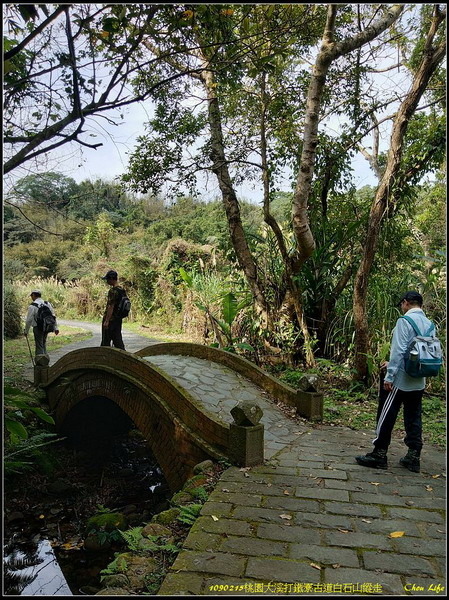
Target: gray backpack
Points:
(424, 356)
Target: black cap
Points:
(413, 297)
(111, 275)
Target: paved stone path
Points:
(310, 520)
(220, 389)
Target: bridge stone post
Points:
(246, 435)
(310, 400)
(41, 363)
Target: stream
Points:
(102, 464)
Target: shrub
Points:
(12, 320)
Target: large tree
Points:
(396, 174)
(242, 50)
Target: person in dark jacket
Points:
(400, 389)
(112, 323)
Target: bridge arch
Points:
(179, 431)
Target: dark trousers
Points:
(113, 334)
(40, 341)
(387, 413)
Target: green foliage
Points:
(100, 234)
(209, 298)
(199, 493)
(50, 190)
(107, 521)
(189, 513)
(22, 454)
(11, 313)
(17, 404)
(136, 542)
(118, 565)
(132, 538)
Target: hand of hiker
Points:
(388, 386)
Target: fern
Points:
(118, 565)
(189, 513)
(199, 493)
(132, 537)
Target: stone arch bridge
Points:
(181, 427)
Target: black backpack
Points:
(45, 319)
(124, 306)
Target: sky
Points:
(110, 160)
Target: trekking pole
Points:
(29, 348)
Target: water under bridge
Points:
(180, 396)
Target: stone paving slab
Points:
(330, 544)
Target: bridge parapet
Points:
(308, 403)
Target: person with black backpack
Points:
(404, 385)
(41, 317)
(117, 308)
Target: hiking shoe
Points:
(411, 461)
(377, 459)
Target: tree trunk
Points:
(386, 192)
(329, 51)
(230, 202)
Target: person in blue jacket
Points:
(400, 389)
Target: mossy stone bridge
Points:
(181, 427)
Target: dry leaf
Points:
(366, 521)
(374, 483)
(41, 516)
(315, 566)
(429, 488)
(336, 566)
(397, 534)
(344, 530)
(224, 490)
(286, 492)
(435, 476)
(214, 517)
(246, 474)
(288, 517)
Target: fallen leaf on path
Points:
(286, 492)
(288, 517)
(315, 566)
(336, 566)
(429, 488)
(214, 517)
(396, 534)
(366, 521)
(374, 483)
(344, 530)
(436, 476)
